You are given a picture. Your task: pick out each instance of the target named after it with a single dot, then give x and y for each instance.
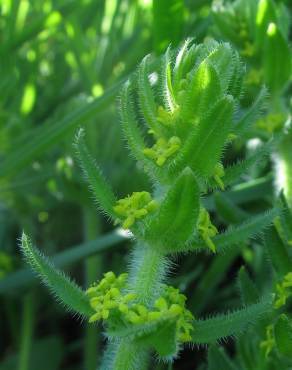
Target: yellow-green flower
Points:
(134, 207)
(206, 229)
(283, 291)
(163, 149)
(107, 297)
(269, 343)
(218, 174)
(248, 50)
(272, 122)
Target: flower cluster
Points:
(134, 207)
(283, 291)
(269, 343)
(206, 229)
(163, 149)
(105, 295)
(110, 302)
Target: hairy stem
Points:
(148, 270)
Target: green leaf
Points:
(245, 192)
(162, 340)
(236, 79)
(65, 291)
(284, 224)
(208, 140)
(168, 23)
(228, 210)
(276, 59)
(283, 335)
(231, 324)
(132, 131)
(166, 77)
(235, 171)
(147, 104)
(285, 171)
(238, 234)
(102, 192)
(23, 277)
(151, 334)
(217, 359)
(222, 59)
(248, 291)
(252, 113)
(266, 13)
(249, 229)
(278, 253)
(177, 216)
(204, 90)
(182, 63)
(212, 278)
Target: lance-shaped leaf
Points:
(181, 63)
(177, 216)
(278, 253)
(166, 76)
(248, 229)
(222, 59)
(276, 59)
(266, 13)
(132, 132)
(234, 172)
(211, 136)
(206, 288)
(251, 115)
(284, 223)
(163, 340)
(228, 210)
(146, 97)
(236, 79)
(204, 89)
(102, 192)
(248, 291)
(207, 140)
(238, 234)
(65, 291)
(160, 335)
(283, 335)
(23, 277)
(232, 324)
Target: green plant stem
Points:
(149, 267)
(26, 332)
(147, 274)
(92, 272)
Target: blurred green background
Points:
(62, 64)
